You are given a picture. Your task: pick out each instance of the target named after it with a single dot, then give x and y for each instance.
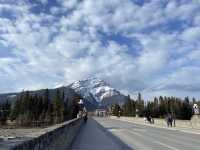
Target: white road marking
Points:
(116, 130)
(136, 133)
(121, 130)
(139, 130)
(165, 145)
(178, 140)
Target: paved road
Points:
(108, 134)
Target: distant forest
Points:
(157, 108)
(39, 110)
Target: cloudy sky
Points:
(150, 46)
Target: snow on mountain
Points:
(94, 89)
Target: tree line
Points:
(4, 111)
(159, 107)
(38, 109)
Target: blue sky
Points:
(151, 46)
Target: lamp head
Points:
(80, 102)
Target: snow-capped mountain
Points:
(98, 91)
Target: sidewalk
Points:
(182, 129)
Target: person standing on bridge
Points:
(174, 120)
(169, 120)
(85, 117)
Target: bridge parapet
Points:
(193, 123)
(57, 137)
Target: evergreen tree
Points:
(129, 107)
(4, 112)
(46, 100)
(140, 105)
(58, 108)
(186, 109)
(37, 109)
(15, 109)
(116, 110)
(181, 109)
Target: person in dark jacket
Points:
(85, 117)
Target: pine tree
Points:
(129, 107)
(4, 112)
(46, 100)
(15, 109)
(58, 108)
(116, 109)
(140, 105)
(186, 109)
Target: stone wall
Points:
(196, 121)
(59, 137)
(193, 123)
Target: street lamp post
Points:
(137, 113)
(80, 111)
(196, 109)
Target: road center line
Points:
(165, 145)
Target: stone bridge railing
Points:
(58, 137)
(193, 123)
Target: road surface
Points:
(109, 134)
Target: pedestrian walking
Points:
(169, 120)
(85, 117)
(174, 120)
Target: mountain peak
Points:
(89, 82)
(95, 89)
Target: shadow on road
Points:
(115, 139)
(93, 136)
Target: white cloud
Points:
(196, 20)
(194, 55)
(55, 10)
(191, 34)
(43, 1)
(51, 49)
(69, 4)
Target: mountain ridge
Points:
(95, 88)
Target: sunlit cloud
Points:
(146, 46)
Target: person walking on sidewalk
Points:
(169, 120)
(174, 120)
(85, 117)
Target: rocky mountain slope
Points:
(98, 92)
